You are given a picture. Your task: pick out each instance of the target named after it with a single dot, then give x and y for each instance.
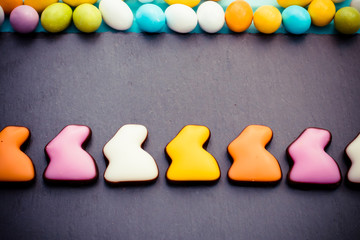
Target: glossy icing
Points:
(68, 160)
(353, 152)
(15, 165)
(312, 165)
(189, 160)
(128, 162)
(252, 162)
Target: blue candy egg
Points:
(150, 18)
(296, 19)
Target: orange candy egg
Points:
(238, 16)
(9, 5)
(39, 6)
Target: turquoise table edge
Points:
(135, 4)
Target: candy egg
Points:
(56, 17)
(211, 16)
(347, 20)
(180, 18)
(116, 14)
(267, 19)
(338, 1)
(75, 3)
(24, 19)
(355, 4)
(146, 1)
(296, 19)
(238, 16)
(190, 3)
(150, 18)
(287, 3)
(9, 5)
(87, 18)
(2, 16)
(39, 6)
(321, 12)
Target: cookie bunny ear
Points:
(17, 135)
(15, 165)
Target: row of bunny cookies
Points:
(190, 162)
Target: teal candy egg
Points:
(150, 18)
(296, 19)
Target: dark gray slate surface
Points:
(166, 81)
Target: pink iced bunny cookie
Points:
(312, 165)
(69, 162)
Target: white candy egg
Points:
(146, 1)
(355, 4)
(180, 18)
(2, 16)
(116, 14)
(211, 16)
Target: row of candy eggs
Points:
(183, 19)
(9, 5)
(190, 162)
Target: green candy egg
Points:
(347, 20)
(87, 18)
(56, 17)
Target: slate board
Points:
(166, 81)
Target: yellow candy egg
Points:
(87, 18)
(190, 3)
(321, 12)
(287, 3)
(267, 19)
(75, 3)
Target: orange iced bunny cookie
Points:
(252, 162)
(190, 161)
(15, 165)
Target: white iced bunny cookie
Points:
(128, 162)
(353, 152)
